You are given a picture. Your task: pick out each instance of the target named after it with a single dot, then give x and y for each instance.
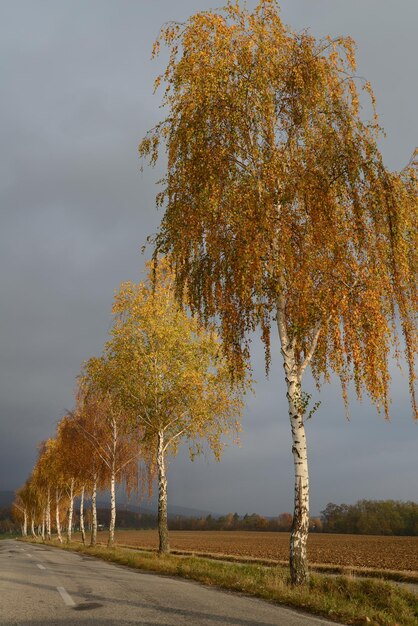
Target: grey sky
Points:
(76, 99)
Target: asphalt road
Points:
(43, 586)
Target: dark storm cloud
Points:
(76, 99)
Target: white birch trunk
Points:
(83, 532)
(112, 509)
(93, 540)
(164, 546)
(32, 526)
(70, 512)
(25, 524)
(300, 525)
(48, 514)
(43, 524)
(113, 487)
(57, 515)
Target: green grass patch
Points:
(340, 598)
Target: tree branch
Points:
(312, 349)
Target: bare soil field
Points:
(377, 552)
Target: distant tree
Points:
(316, 524)
(89, 425)
(20, 510)
(102, 421)
(30, 497)
(284, 521)
(44, 478)
(372, 517)
(229, 521)
(69, 466)
(170, 376)
(280, 211)
(58, 477)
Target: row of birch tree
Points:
(161, 380)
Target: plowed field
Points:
(394, 553)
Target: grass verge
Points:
(322, 568)
(339, 598)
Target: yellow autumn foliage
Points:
(276, 190)
(167, 371)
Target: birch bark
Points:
(164, 547)
(300, 525)
(25, 524)
(93, 540)
(83, 532)
(70, 512)
(112, 508)
(48, 514)
(112, 486)
(43, 524)
(57, 516)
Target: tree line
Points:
(162, 379)
(233, 521)
(366, 517)
(372, 517)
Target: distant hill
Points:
(6, 499)
(151, 509)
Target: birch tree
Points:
(88, 470)
(20, 510)
(46, 483)
(101, 420)
(44, 479)
(94, 472)
(280, 211)
(58, 484)
(171, 377)
(69, 469)
(29, 501)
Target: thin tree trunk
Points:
(112, 487)
(83, 532)
(25, 524)
(93, 540)
(70, 512)
(48, 514)
(164, 547)
(300, 526)
(32, 526)
(112, 509)
(57, 516)
(43, 524)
